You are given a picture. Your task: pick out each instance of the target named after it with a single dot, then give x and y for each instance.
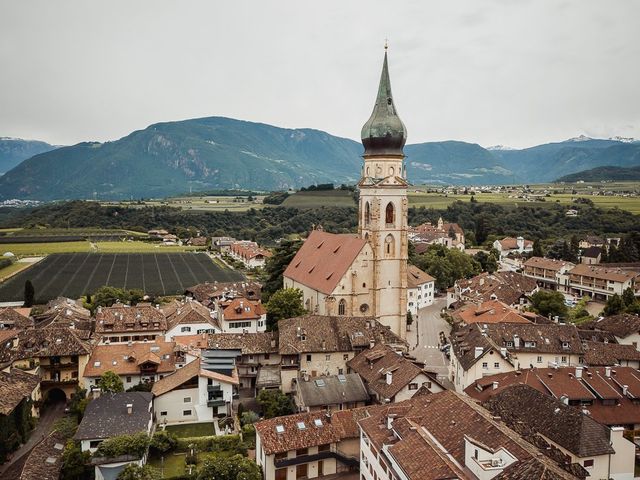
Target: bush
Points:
(163, 442)
(227, 443)
(135, 444)
(249, 417)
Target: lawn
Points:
(320, 198)
(173, 463)
(192, 430)
(28, 249)
(76, 274)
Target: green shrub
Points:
(135, 444)
(163, 441)
(227, 443)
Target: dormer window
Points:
(530, 344)
(279, 428)
(509, 344)
(565, 344)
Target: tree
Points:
(285, 303)
(110, 382)
(488, 262)
(275, 266)
(108, 296)
(409, 318)
(137, 472)
(29, 294)
(75, 463)
(447, 265)
(237, 467)
(249, 417)
(628, 297)
(481, 231)
(274, 403)
(163, 441)
(78, 403)
(614, 305)
(537, 249)
(548, 303)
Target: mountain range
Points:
(599, 174)
(211, 153)
(15, 150)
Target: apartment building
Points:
(548, 273)
(123, 324)
(600, 282)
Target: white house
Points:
(194, 394)
(190, 317)
(420, 289)
(510, 245)
(241, 315)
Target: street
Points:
(425, 335)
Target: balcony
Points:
(344, 459)
(216, 402)
(214, 388)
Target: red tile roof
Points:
(492, 311)
(323, 260)
(128, 358)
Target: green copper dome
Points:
(384, 133)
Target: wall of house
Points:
(370, 468)
(325, 363)
(464, 378)
(190, 329)
(267, 462)
(563, 359)
(174, 404)
(623, 462)
(255, 325)
(127, 380)
(227, 396)
(407, 393)
(633, 339)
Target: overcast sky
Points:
(509, 72)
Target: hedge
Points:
(226, 443)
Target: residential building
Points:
(310, 444)
(601, 354)
(198, 392)
(320, 346)
(240, 315)
(447, 436)
(510, 288)
(133, 362)
(189, 317)
(389, 376)
(123, 324)
(591, 255)
(491, 311)
(592, 241)
(12, 318)
(42, 462)
(19, 388)
(54, 353)
(249, 253)
(513, 246)
(449, 234)
(113, 414)
(624, 327)
(608, 394)
(479, 350)
(222, 244)
(331, 393)
(600, 283)
(420, 289)
(365, 274)
(570, 434)
(209, 294)
(548, 273)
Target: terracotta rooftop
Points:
(44, 461)
(323, 260)
(603, 273)
(15, 386)
(12, 318)
(242, 309)
(511, 243)
(124, 359)
(182, 375)
(317, 333)
(248, 343)
(187, 312)
(507, 287)
(598, 354)
(621, 325)
(47, 341)
(492, 311)
(547, 263)
(416, 277)
(205, 292)
(130, 319)
(373, 365)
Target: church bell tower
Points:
(383, 206)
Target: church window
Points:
(392, 171)
(342, 307)
(364, 308)
(390, 215)
(364, 285)
(389, 245)
(367, 214)
(368, 173)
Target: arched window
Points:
(368, 171)
(342, 307)
(367, 214)
(307, 304)
(392, 171)
(390, 215)
(389, 246)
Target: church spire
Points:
(384, 133)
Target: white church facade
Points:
(365, 274)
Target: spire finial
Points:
(386, 44)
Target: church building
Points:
(365, 274)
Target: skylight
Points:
(342, 379)
(279, 429)
(96, 364)
(317, 422)
(319, 382)
(301, 425)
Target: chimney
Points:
(495, 385)
(564, 399)
(478, 352)
(516, 341)
(389, 378)
(607, 372)
(129, 408)
(625, 389)
(390, 418)
(578, 372)
(324, 345)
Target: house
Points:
(113, 414)
(624, 327)
(571, 434)
(210, 293)
(510, 288)
(600, 354)
(548, 273)
(222, 244)
(134, 363)
(449, 234)
(320, 345)
(331, 393)
(389, 376)
(249, 253)
(18, 388)
(122, 324)
(240, 315)
(197, 392)
(591, 241)
(189, 317)
(600, 283)
(197, 241)
(54, 353)
(14, 318)
(479, 350)
(259, 357)
(608, 394)
(447, 436)
(510, 246)
(42, 462)
(491, 311)
(591, 255)
(420, 289)
(309, 444)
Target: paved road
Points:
(425, 335)
(43, 427)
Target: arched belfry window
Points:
(389, 246)
(342, 307)
(390, 215)
(367, 214)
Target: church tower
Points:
(383, 206)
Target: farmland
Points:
(46, 248)
(76, 274)
(320, 198)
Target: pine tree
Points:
(29, 294)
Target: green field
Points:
(36, 249)
(12, 269)
(320, 198)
